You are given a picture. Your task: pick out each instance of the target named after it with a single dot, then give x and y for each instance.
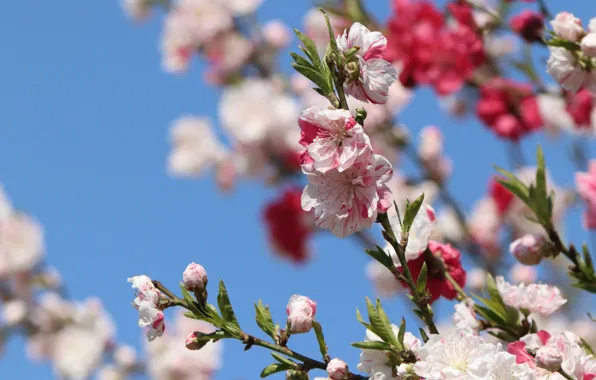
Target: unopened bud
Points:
(294, 374)
(530, 249)
(196, 340)
(549, 357)
(301, 313)
(337, 370)
(194, 277)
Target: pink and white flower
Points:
(564, 66)
(419, 234)
(537, 298)
(464, 317)
(586, 187)
(194, 277)
(337, 369)
(147, 303)
(332, 138)
(348, 201)
(374, 75)
(530, 248)
(301, 312)
(568, 27)
(21, 244)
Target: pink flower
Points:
(301, 312)
(580, 106)
(586, 186)
(588, 45)
(430, 151)
(332, 138)
(374, 76)
(530, 249)
(420, 231)
(276, 33)
(564, 66)
(537, 298)
(568, 27)
(348, 201)
(21, 244)
(194, 277)
(549, 357)
(337, 369)
(529, 25)
(147, 303)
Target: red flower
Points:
(502, 197)
(580, 106)
(436, 283)
(287, 226)
(429, 51)
(508, 108)
(529, 25)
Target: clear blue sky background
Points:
(84, 115)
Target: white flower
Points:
(125, 356)
(567, 26)
(464, 317)
(77, 353)
(349, 201)
(564, 67)
(420, 231)
(21, 244)
(588, 45)
(242, 7)
(138, 10)
(537, 298)
(147, 303)
(462, 355)
(254, 109)
(332, 138)
(194, 147)
(553, 111)
(549, 357)
(301, 312)
(374, 75)
(374, 362)
(14, 312)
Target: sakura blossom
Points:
(337, 369)
(21, 244)
(332, 138)
(301, 312)
(529, 25)
(194, 277)
(348, 201)
(537, 298)
(147, 303)
(565, 68)
(567, 26)
(464, 317)
(372, 76)
(419, 234)
(586, 186)
(530, 248)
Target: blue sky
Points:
(84, 116)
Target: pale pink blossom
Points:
(537, 298)
(277, 34)
(226, 57)
(419, 234)
(195, 148)
(464, 317)
(147, 303)
(301, 312)
(484, 223)
(242, 7)
(476, 279)
(553, 112)
(549, 357)
(337, 369)
(332, 138)
(588, 45)
(21, 244)
(430, 151)
(348, 201)
(194, 277)
(137, 10)
(111, 372)
(125, 356)
(14, 312)
(568, 27)
(565, 68)
(523, 274)
(315, 27)
(586, 187)
(374, 75)
(530, 248)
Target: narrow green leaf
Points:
(490, 315)
(190, 301)
(386, 324)
(423, 335)
(301, 60)
(411, 212)
(401, 224)
(283, 360)
(421, 282)
(310, 48)
(587, 347)
(225, 307)
(521, 192)
(320, 338)
(372, 345)
(311, 74)
(381, 256)
(402, 333)
(359, 318)
(274, 368)
(332, 41)
(378, 323)
(264, 319)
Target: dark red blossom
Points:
(443, 255)
(287, 226)
(529, 25)
(501, 195)
(580, 106)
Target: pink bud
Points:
(530, 249)
(194, 341)
(337, 370)
(194, 277)
(301, 313)
(568, 27)
(276, 33)
(549, 357)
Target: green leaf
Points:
(401, 224)
(372, 345)
(332, 41)
(359, 318)
(274, 368)
(567, 45)
(310, 49)
(423, 335)
(225, 307)
(320, 338)
(284, 360)
(379, 322)
(387, 324)
(514, 185)
(587, 347)
(190, 301)
(411, 212)
(311, 74)
(264, 319)
(381, 256)
(301, 60)
(421, 282)
(402, 332)
(490, 315)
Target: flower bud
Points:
(196, 341)
(294, 374)
(529, 25)
(301, 313)
(530, 249)
(194, 277)
(568, 27)
(549, 357)
(337, 369)
(588, 45)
